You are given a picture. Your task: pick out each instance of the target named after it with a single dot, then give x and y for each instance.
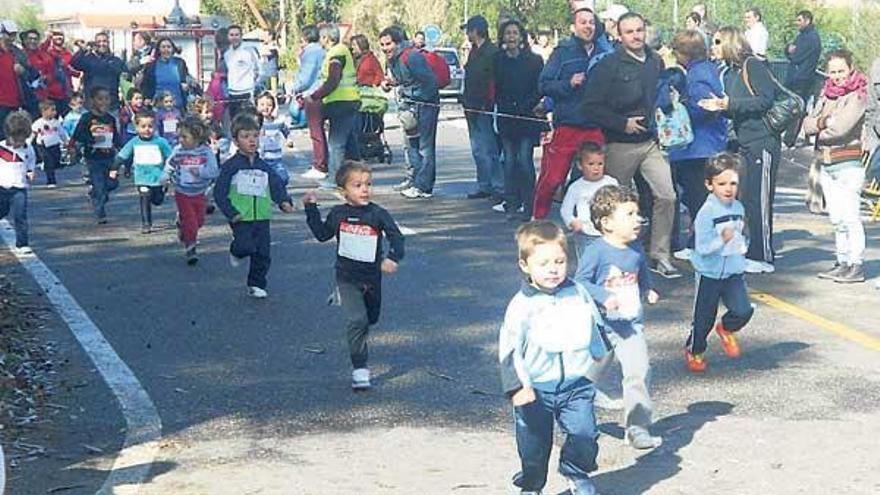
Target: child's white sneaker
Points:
(642, 440)
(360, 379)
(234, 261)
(24, 250)
(257, 293)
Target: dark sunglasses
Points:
(717, 41)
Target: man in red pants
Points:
(563, 80)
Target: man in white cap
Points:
(610, 17)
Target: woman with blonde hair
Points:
(837, 121)
(749, 92)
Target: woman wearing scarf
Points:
(837, 122)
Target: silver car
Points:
(456, 72)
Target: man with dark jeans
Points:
(419, 108)
(478, 101)
(804, 57)
(243, 71)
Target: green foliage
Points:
(28, 17)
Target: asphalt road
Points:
(246, 407)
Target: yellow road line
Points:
(834, 327)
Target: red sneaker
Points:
(695, 362)
(728, 341)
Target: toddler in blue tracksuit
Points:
(719, 262)
(549, 346)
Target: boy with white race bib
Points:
(244, 192)
(97, 137)
(358, 226)
(147, 154)
(49, 136)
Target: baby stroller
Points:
(371, 136)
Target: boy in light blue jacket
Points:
(719, 262)
(549, 346)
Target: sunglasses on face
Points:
(717, 41)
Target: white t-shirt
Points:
(579, 195)
(758, 39)
(15, 163)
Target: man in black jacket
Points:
(804, 56)
(621, 96)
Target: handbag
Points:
(674, 129)
(787, 107)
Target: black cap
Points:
(477, 22)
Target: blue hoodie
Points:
(713, 257)
(710, 128)
(307, 80)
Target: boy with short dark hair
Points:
(549, 346)
(244, 192)
(98, 137)
(615, 272)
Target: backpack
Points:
(437, 64)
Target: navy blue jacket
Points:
(568, 59)
(516, 93)
(703, 80)
(805, 59)
(99, 70)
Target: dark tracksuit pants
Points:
(99, 168)
(572, 408)
(252, 239)
(51, 158)
(149, 196)
(361, 304)
(732, 291)
(13, 202)
(690, 176)
(757, 193)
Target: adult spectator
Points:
(756, 32)
(143, 51)
(872, 114)
(99, 67)
(61, 92)
(419, 39)
(340, 97)
(708, 26)
(242, 71)
(13, 67)
(621, 96)
(749, 94)
(837, 121)
(517, 70)
(41, 60)
(710, 128)
(694, 22)
(168, 72)
(419, 108)
(478, 101)
(609, 18)
(563, 80)
(804, 56)
(369, 69)
(269, 64)
(307, 81)
(542, 46)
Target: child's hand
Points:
(576, 225)
(310, 198)
(612, 304)
(523, 396)
(389, 266)
(236, 218)
(653, 297)
(286, 207)
(113, 174)
(727, 234)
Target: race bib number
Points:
(169, 126)
(737, 244)
(103, 140)
(358, 242)
(252, 183)
(625, 287)
(147, 154)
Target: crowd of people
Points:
(601, 105)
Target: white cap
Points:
(9, 26)
(613, 12)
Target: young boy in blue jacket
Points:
(244, 192)
(549, 346)
(719, 262)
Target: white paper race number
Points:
(358, 242)
(252, 182)
(147, 154)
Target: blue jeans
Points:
(341, 126)
(572, 408)
(99, 168)
(484, 147)
(13, 202)
(421, 149)
(519, 172)
(731, 290)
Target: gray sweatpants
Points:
(631, 350)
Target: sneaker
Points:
(257, 293)
(665, 269)
(191, 256)
(530, 492)
(23, 250)
(314, 174)
(695, 362)
(146, 229)
(234, 261)
(852, 275)
(583, 487)
(415, 193)
(51, 186)
(831, 274)
(403, 185)
(683, 254)
(360, 379)
(642, 440)
(500, 207)
(753, 266)
(728, 341)
(478, 195)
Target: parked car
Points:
(456, 72)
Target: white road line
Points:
(144, 427)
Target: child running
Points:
(168, 117)
(358, 226)
(549, 346)
(575, 209)
(147, 154)
(719, 262)
(273, 133)
(133, 106)
(49, 136)
(69, 123)
(17, 168)
(615, 272)
(98, 137)
(192, 167)
(244, 192)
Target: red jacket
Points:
(44, 63)
(61, 89)
(369, 70)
